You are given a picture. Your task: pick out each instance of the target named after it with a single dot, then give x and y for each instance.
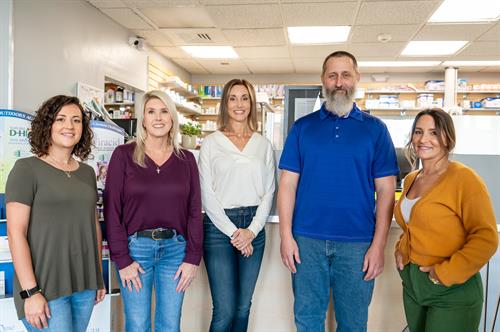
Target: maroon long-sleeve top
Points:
(138, 198)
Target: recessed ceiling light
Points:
(398, 63)
(472, 63)
(211, 52)
(433, 47)
(318, 34)
(467, 11)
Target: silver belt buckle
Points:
(153, 234)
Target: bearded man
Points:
(333, 230)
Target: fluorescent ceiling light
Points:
(398, 63)
(433, 47)
(467, 11)
(211, 52)
(318, 35)
(472, 63)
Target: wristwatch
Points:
(27, 293)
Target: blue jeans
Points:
(336, 265)
(68, 313)
(231, 276)
(160, 260)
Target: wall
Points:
(6, 56)
(58, 43)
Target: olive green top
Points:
(61, 231)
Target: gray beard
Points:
(338, 104)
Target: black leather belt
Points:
(157, 234)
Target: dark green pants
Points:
(437, 308)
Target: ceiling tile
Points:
(232, 2)
(262, 52)
(246, 16)
(308, 66)
(379, 49)
(178, 17)
(255, 37)
(173, 52)
(154, 38)
(234, 66)
(126, 17)
(270, 66)
(315, 51)
(395, 12)
(482, 48)
(341, 13)
(316, 1)
(162, 3)
(492, 35)
(108, 3)
(369, 33)
(191, 66)
(451, 31)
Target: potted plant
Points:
(190, 131)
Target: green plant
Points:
(191, 129)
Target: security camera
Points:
(136, 42)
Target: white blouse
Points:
(232, 178)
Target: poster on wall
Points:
(14, 144)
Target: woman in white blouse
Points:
(237, 185)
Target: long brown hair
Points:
(444, 128)
(223, 118)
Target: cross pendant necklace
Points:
(157, 169)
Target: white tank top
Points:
(406, 207)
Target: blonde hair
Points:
(223, 118)
(140, 148)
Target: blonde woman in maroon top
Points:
(152, 208)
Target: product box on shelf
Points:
(490, 102)
(4, 249)
(434, 85)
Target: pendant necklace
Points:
(157, 169)
(68, 173)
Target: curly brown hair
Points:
(41, 127)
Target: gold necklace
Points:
(61, 165)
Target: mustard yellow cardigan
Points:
(452, 226)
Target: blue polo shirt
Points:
(338, 159)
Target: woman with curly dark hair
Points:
(53, 232)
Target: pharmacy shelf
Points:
(120, 104)
(481, 109)
(478, 92)
(180, 89)
(402, 91)
(187, 110)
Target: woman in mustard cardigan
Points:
(449, 232)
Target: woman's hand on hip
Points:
(99, 295)
(247, 251)
(186, 272)
(36, 310)
(399, 260)
(130, 276)
(242, 238)
(431, 274)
